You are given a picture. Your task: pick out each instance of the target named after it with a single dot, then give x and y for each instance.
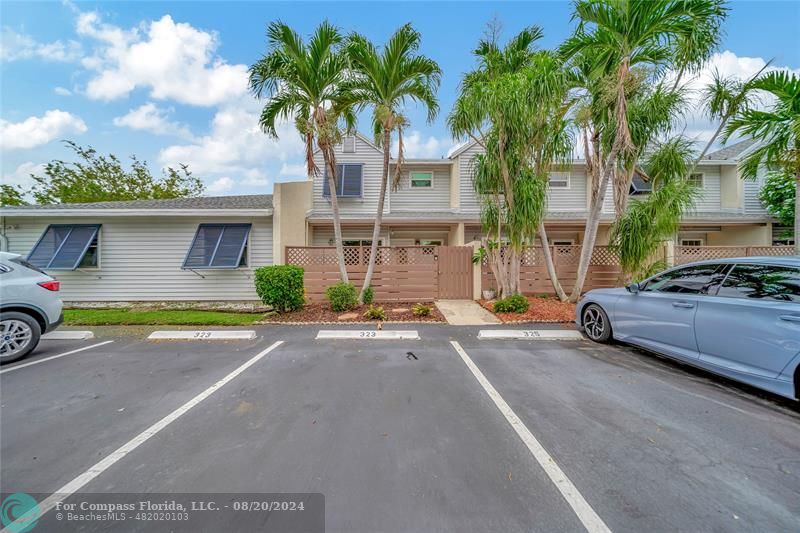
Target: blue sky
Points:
(166, 80)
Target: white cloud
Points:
(172, 60)
(294, 170)
(16, 46)
(222, 184)
(151, 118)
(35, 131)
(728, 64)
(22, 175)
(62, 91)
(237, 147)
(415, 145)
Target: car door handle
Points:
(685, 305)
(790, 318)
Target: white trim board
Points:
(368, 334)
(203, 335)
(530, 334)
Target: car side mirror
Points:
(633, 288)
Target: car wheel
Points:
(19, 335)
(596, 324)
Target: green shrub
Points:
(369, 295)
(280, 286)
(375, 312)
(342, 296)
(516, 303)
(421, 310)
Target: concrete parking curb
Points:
(68, 335)
(530, 334)
(203, 335)
(368, 334)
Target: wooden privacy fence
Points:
(687, 254)
(401, 272)
(604, 269)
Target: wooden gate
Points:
(455, 272)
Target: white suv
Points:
(29, 306)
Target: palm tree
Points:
(384, 80)
(778, 131)
(305, 82)
(617, 42)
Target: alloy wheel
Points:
(593, 322)
(15, 336)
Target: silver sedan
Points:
(737, 317)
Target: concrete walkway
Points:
(465, 313)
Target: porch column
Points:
(669, 253)
(457, 235)
(476, 272)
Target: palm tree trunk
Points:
(330, 162)
(551, 267)
(376, 230)
(592, 221)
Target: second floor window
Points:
(559, 180)
(696, 180)
(421, 180)
(348, 181)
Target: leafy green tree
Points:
(777, 129)
(100, 178)
(384, 80)
(514, 105)
(11, 195)
(305, 82)
(779, 194)
(617, 47)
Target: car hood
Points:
(616, 291)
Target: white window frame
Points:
(344, 141)
(411, 180)
(702, 176)
(563, 177)
(698, 240)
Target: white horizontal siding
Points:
(372, 160)
(436, 198)
(572, 198)
(752, 189)
(708, 199)
(469, 201)
(141, 259)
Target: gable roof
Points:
(253, 203)
(732, 152)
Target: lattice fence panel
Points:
(688, 254)
(772, 250)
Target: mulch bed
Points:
(322, 313)
(540, 310)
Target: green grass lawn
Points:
(127, 317)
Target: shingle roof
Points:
(244, 201)
(731, 152)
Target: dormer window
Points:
(349, 144)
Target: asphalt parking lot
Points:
(443, 433)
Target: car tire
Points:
(19, 335)
(596, 324)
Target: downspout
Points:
(3, 236)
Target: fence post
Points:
(477, 271)
(748, 251)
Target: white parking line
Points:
(588, 517)
(17, 367)
(79, 482)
